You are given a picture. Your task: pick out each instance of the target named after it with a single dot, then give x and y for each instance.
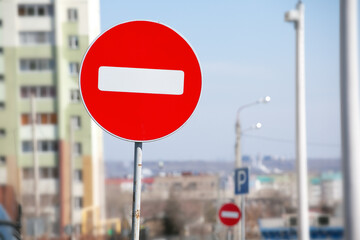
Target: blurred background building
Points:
(42, 43)
(177, 201)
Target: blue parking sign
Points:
(241, 180)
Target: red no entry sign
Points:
(140, 81)
(229, 214)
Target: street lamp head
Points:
(258, 125)
(264, 99)
(292, 16)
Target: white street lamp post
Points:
(297, 16)
(350, 123)
(239, 199)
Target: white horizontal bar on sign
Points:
(141, 80)
(229, 214)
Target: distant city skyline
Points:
(246, 51)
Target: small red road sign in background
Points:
(140, 81)
(229, 214)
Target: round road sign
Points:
(229, 214)
(140, 81)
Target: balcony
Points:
(46, 186)
(47, 131)
(43, 23)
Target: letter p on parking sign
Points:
(242, 180)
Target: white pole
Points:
(350, 129)
(297, 16)
(301, 152)
(36, 164)
(137, 191)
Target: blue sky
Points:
(246, 51)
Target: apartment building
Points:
(42, 43)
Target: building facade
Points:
(42, 43)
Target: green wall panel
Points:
(42, 106)
(45, 159)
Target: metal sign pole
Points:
(243, 230)
(135, 231)
(229, 234)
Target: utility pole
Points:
(297, 16)
(239, 199)
(35, 165)
(350, 128)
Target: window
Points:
(46, 118)
(41, 118)
(74, 68)
(51, 92)
(48, 172)
(48, 199)
(323, 221)
(73, 42)
(53, 118)
(2, 105)
(78, 175)
(37, 91)
(47, 146)
(75, 122)
(26, 146)
(27, 92)
(293, 221)
(30, 11)
(28, 173)
(25, 119)
(77, 149)
(78, 202)
(2, 132)
(21, 10)
(44, 173)
(33, 10)
(75, 96)
(41, 10)
(2, 160)
(43, 92)
(39, 64)
(72, 14)
(32, 38)
(42, 146)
